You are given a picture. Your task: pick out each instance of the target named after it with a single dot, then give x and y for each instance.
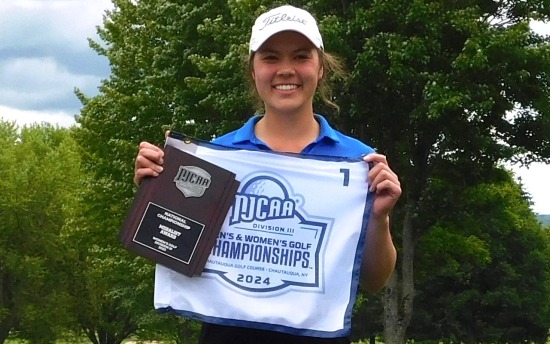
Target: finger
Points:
(142, 173)
(146, 157)
(375, 158)
(381, 173)
(150, 152)
(386, 197)
(144, 163)
(148, 146)
(388, 187)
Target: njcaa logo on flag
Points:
(272, 242)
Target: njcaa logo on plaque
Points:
(271, 243)
(192, 181)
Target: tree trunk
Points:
(186, 335)
(399, 297)
(7, 308)
(4, 333)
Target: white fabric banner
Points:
(289, 253)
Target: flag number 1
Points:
(345, 172)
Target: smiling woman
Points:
(288, 65)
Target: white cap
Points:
(284, 18)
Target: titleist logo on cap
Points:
(281, 17)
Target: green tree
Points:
(444, 84)
(483, 269)
(149, 45)
(40, 168)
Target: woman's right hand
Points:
(148, 162)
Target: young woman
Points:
(288, 65)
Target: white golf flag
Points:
(289, 253)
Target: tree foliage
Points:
(149, 55)
(40, 168)
(484, 248)
(448, 86)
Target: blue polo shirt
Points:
(329, 142)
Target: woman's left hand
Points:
(384, 183)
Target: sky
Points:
(44, 56)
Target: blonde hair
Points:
(333, 69)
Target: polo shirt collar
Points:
(326, 130)
(246, 132)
